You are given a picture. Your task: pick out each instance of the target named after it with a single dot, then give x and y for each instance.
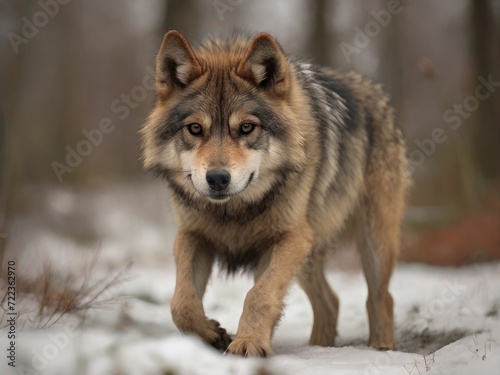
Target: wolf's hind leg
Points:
(324, 301)
(379, 242)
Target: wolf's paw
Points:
(208, 330)
(217, 337)
(381, 345)
(250, 347)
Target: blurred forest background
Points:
(71, 68)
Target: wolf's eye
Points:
(246, 128)
(195, 129)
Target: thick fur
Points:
(324, 159)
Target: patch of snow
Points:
(442, 300)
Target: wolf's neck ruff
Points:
(233, 211)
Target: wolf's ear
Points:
(176, 64)
(265, 64)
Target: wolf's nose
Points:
(218, 179)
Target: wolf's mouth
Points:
(222, 195)
(248, 183)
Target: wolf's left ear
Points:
(265, 64)
(176, 64)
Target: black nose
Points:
(218, 179)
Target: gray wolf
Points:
(270, 162)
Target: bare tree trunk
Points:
(390, 71)
(11, 165)
(486, 51)
(320, 40)
(183, 16)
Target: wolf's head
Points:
(224, 125)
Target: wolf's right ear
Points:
(176, 63)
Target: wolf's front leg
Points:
(194, 265)
(264, 302)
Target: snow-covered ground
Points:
(447, 320)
